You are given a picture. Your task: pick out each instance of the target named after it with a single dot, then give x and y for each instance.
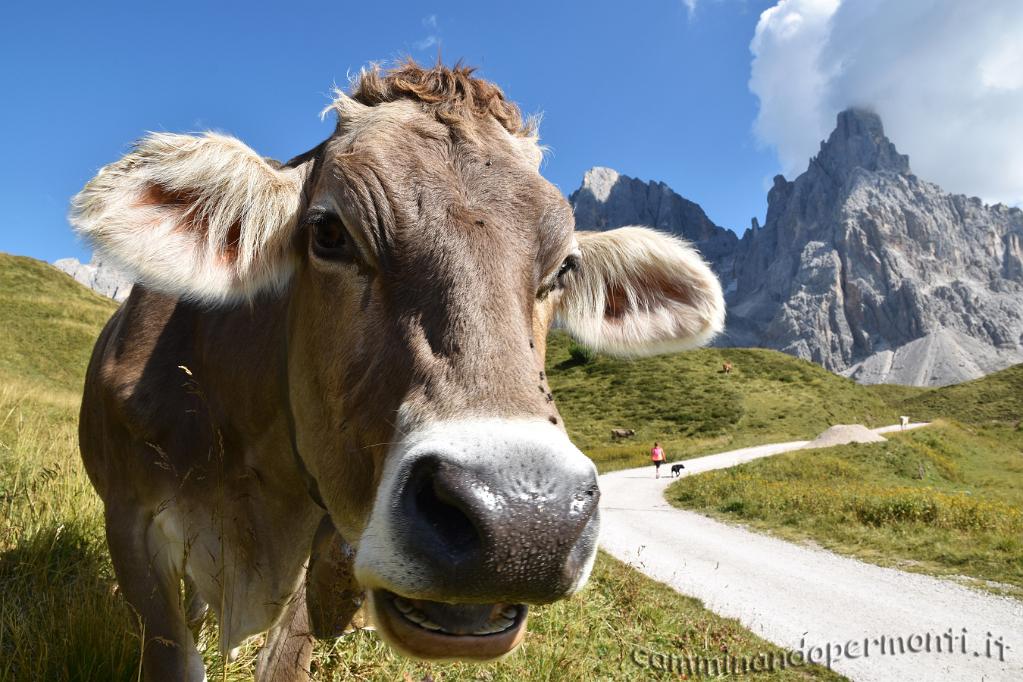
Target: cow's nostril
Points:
(442, 515)
(517, 527)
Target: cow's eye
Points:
(330, 237)
(567, 266)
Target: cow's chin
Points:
(442, 631)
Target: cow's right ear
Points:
(202, 217)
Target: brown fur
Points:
(453, 95)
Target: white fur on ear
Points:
(640, 292)
(202, 217)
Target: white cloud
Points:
(433, 38)
(690, 7)
(946, 77)
(428, 41)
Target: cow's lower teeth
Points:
(500, 623)
(495, 626)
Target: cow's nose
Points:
(501, 528)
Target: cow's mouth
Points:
(439, 630)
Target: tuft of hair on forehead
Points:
(452, 94)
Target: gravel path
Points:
(798, 597)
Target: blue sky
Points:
(651, 89)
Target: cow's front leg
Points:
(323, 607)
(151, 584)
(288, 651)
(332, 593)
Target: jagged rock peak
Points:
(607, 199)
(600, 181)
(98, 275)
(873, 272)
(858, 141)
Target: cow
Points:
(726, 368)
(617, 434)
(326, 390)
(903, 422)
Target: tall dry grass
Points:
(60, 617)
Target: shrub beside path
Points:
(799, 597)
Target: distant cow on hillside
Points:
(726, 368)
(622, 433)
(903, 422)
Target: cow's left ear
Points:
(640, 292)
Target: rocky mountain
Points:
(607, 199)
(860, 266)
(98, 276)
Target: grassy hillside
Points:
(946, 500)
(997, 397)
(687, 403)
(49, 324)
(61, 617)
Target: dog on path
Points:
(676, 470)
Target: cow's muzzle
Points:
(472, 521)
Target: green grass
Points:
(691, 407)
(961, 517)
(589, 637)
(995, 398)
(945, 500)
(49, 324)
(61, 617)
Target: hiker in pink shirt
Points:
(657, 457)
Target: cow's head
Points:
(424, 259)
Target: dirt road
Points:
(807, 599)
